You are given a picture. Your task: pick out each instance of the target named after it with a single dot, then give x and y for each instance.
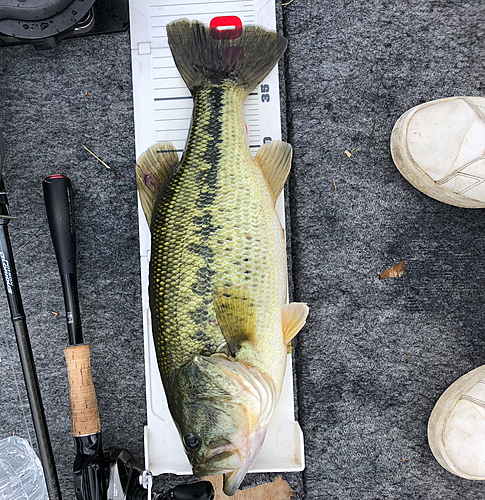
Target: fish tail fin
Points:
(205, 55)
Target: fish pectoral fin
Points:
(274, 158)
(236, 316)
(153, 169)
(294, 318)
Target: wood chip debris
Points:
(334, 185)
(287, 3)
(279, 489)
(55, 314)
(394, 271)
(348, 153)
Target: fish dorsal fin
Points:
(294, 318)
(153, 168)
(274, 158)
(236, 316)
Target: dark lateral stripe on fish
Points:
(203, 286)
(212, 156)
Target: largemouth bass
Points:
(217, 273)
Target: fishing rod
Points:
(89, 483)
(98, 475)
(17, 314)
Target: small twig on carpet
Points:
(287, 3)
(371, 136)
(97, 157)
(117, 174)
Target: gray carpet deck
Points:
(375, 355)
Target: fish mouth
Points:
(222, 452)
(219, 461)
(232, 480)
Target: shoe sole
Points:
(412, 172)
(440, 415)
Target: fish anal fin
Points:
(236, 316)
(153, 169)
(294, 318)
(274, 158)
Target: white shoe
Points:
(439, 147)
(456, 428)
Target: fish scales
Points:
(215, 228)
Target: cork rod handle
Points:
(84, 407)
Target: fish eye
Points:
(192, 441)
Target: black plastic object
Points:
(202, 490)
(123, 476)
(45, 22)
(60, 214)
(23, 343)
(124, 482)
(31, 9)
(89, 473)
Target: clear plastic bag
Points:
(21, 473)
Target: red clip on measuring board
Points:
(163, 109)
(226, 27)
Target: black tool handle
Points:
(60, 214)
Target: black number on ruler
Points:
(264, 92)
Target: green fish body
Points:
(217, 275)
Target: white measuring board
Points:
(163, 109)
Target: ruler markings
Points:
(161, 120)
(171, 109)
(193, 3)
(171, 130)
(171, 98)
(193, 13)
(169, 88)
(164, 77)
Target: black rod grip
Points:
(60, 215)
